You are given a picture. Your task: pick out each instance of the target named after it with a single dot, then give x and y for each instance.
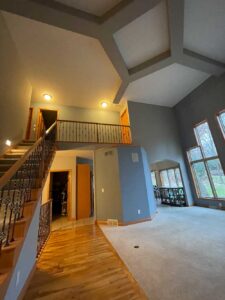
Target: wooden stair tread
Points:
(11, 246)
(9, 160)
(22, 151)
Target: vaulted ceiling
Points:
(150, 51)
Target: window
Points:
(171, 178)
(153, 178)
(206, 168)
(221, 120)
(205, 140)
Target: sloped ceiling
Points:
(144, 38)
(204, 28)
(71, 67)
(165, 87)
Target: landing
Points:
(79, 263)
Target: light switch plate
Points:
(135, 157)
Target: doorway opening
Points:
(168, 183)
(46, 118)
(59, 193)
(28, 130)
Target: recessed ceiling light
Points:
(47, 97)
(8, 142)
(104, 104)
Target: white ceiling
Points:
(204, 28)
(71, 67)
(165, 87)
(95, 7)
(145, 37)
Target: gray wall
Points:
(155, 129)
(77, 114)
(15, 91)
(26, 260)
(107, 203)
(202, 104)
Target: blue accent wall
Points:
(136, 187)
(148, 182)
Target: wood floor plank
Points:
(79, 263)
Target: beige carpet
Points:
(181, 254)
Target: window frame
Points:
(204, 160)
(222, 130)
(154, 172)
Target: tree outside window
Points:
(171, 178)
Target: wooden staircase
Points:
(13, 155)
(23, 171)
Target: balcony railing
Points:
(44, 224)
(171, 196)
(86, 132)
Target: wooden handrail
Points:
(11, 171)
(82, 122)
(50, 128)
(47, 202)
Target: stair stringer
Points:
(26, 261)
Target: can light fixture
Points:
(104, 104)
(47, 97)
(8, 143)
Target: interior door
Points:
(83, 191)
(124, 120)
(27, 137)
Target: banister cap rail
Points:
(95, 123)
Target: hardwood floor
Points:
(79, 263)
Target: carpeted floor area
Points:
(181, 254)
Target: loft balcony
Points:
(96, 133)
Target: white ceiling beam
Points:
(176, 26)
(128, 13)
(151, 66)
(121, 91)
(53, 14)
(202, 63)
(112, 51)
